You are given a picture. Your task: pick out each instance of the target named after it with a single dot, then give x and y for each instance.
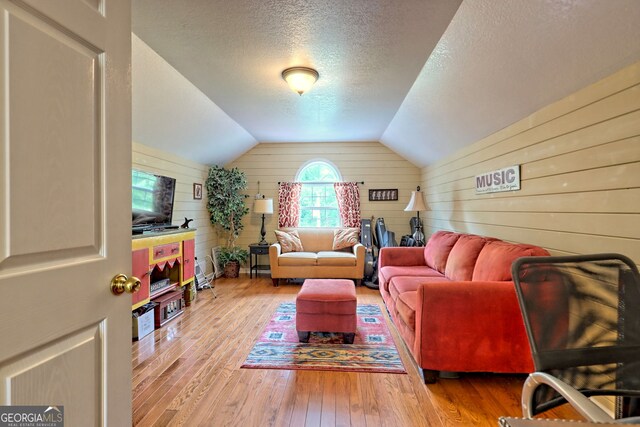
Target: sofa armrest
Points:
(358, 250)
(475, 324)
(401, 255)
(274, 252)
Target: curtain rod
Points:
(357, 182)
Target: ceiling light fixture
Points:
(300, 79)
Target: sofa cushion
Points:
(345, 238)
(315, 239)
(406, 308)
(391, 271)
(463, 256)
(337, 258)
(496, 257)
(297, 259)
(289, 241)
(438, 248)
(401, 284)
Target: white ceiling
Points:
(171, 114)
(424, 77)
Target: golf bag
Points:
(382, 238)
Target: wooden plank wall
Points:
(186, 173)
(371, 162)
(580, 175)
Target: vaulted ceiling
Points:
(424, 77)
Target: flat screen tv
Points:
(151, 201)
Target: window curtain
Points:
(348, 196)
(289, 204)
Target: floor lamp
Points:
(416, 203)
(263, 206)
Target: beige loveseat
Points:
(317, 260)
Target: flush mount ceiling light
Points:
(300, 79)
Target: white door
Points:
(65, 164)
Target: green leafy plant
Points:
(226, 201)
(235, 253)
(231, 258)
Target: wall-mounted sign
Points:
(505, 179)
(383, 195)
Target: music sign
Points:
(505, 179)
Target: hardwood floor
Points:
(188, 373)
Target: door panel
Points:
(82, 350)
(47, 128)
(65, 163)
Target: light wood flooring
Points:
(188, 373)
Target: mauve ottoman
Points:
(326, 305)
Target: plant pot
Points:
(232, 269)
(190, 293)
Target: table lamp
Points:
(416, 203)
(263, 206)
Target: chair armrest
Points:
(274, 252)
(358, 250)
(577, 400)
(401, 255)
(275, 249)
(473, 321)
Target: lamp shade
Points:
(300, 79)
(416, 203)
(263, 206)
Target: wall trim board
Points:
(610, 201)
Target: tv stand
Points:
(160, 229)
(162, 256)
(153, 229)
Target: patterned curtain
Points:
(348, 196)
(289, 204)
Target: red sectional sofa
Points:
(454, 303)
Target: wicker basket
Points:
(232, 269)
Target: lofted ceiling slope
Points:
(424, 77)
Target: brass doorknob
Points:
(121, 283)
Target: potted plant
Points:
(231, 258)
(226, 208)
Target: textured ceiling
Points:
(501, 60)
(422, 76)
(171, 114)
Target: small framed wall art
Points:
(383, 195)
(197, 191)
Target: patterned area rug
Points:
(373, 349)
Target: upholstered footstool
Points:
(326, 305)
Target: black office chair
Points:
(582, 316)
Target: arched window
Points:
(318, 203)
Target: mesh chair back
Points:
(582, 315)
